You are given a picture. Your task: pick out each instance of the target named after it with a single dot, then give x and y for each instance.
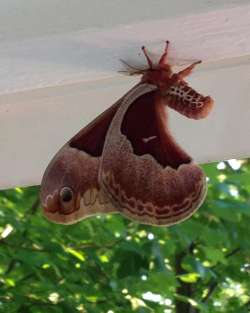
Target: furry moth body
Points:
(127, 161)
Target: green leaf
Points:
(189, 277)
(214, 255)
(79, 255)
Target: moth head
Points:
(60, 193)
(159, 73)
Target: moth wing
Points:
(77, 165)
(146, 175)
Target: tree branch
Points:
(215, 283)
(183, 289)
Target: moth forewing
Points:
(76, 167)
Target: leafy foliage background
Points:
(108, 264)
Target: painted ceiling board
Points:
(53, 82)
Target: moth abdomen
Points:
(184, 99)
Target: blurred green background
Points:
(109, 264)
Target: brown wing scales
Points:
(155, 181)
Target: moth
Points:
(126, 160)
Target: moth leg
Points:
(130, 69)
(150, 63)
(187, 71)
(163, 59)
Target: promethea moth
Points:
(126, 160)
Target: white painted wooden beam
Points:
(93, 55)
(50, 87)
(21, 19)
